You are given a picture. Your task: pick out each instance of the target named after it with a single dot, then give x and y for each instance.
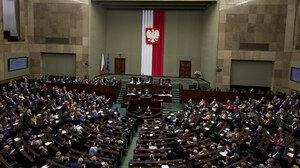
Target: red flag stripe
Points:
(158, 49)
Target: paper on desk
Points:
(223, 153)
(17, 139)
(40, 135)
(164, 166)
(45, 166)
(48, 143)
(290, 155)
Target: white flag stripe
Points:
(146, 60)
(102, 63)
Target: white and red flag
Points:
(102, 63)
(152, 42)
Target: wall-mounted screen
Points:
(17, 63)
(295, 74)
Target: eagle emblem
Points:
(152, 35)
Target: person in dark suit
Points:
(295, 95)
(10, 102)
(161, 81)
(93, 163)
(148, 111)
(234, 149)
(2, 90)
(27, 102)
(275, 155)
(149, 80)
(219, 126)
(168, 82)
(132, 81)
(146, 92)
(79, 164)
(139, 81)
(138, 111)
(113, 81)
(134, 91)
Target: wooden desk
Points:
(107, 90)
(165, 98)
(144, 102)
(197, 95)
(151, 87)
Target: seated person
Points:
(138, 81)
(275, 155)
(132, 81)
(138, 111)
(148, 111)
(149, 80)
(161, 81)
(151, 158)
(113, 81)
(134, 91)
(168, 82)
(79, 164)
(8, 154)
(128, 91)
(146, 92)
(219, 126)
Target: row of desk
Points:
(107, 90)
(197, 95)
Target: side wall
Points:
(295, 62)
(256, 22)
(63, 28)
(13, 74)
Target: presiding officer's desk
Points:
(153, 87)
(158, 91)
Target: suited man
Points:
(138, 111)
(132, 81)
(150, 80)
(16, 98)
(78, 164)
(139, 81)
(113, 81)
(93, 163)
(269, 163)
(297, 104)
(295, 127)
(146, 92)
(281, 114)
(6, 153)
(161, 81)
(27, 102)
(234, 149)
(10, 102)
(219, 126)
(275, 155)
(295, 95)
(2, 90)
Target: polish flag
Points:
(102, 63)
(152, 42)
